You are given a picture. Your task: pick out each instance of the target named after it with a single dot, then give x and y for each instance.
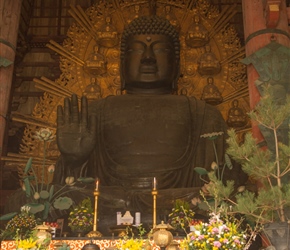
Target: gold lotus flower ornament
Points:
(36, 196)
(44, 134)
(51, 169)
(70, 180)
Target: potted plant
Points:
(81, 218)
(269, 167)
(181, 216)
(20, 226)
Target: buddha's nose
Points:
(148, 57)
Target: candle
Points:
(137, 218)
(97, 184)
(154, 183)
(119, 219)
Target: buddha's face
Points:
(149, 64)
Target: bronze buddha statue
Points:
(129, 139)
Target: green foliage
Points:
(8, 216)
(269, 112)
(270, 167)
(267, 166)
(201, 171)
(86, 179)
(35, 207)
(219, 189)
(21, 224)
(28, 165)
(41, 195)
(62, 203)
(181, 215)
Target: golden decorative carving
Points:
(211, 93)
(96, 63)
(197, 35)
(236, 115)
(208, 63)
(86, 34)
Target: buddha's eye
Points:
(136, 48)
(161, 48)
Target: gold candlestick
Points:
(154, 194)
(95, 232)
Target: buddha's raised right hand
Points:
(76, 131)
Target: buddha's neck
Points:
(139, 91)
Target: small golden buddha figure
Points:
(183, 91)
(96, 64)
(208, 63)
(93, 90)
(211, 93)
(197, 35)
(236, 116)
(169, 15)
(108, 35)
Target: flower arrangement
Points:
(81, 218)
(133, 243)
(29, 243)
(21, 224)
(32, 242)
(217, 234)
(181, 215)
(269, 202)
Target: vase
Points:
(43, 235)
(278, 234)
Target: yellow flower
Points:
(27, 243)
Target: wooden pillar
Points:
(262, 19)
(9, 22)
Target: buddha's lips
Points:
(148, 69)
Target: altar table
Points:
(77, 243)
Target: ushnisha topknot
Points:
(151, 25)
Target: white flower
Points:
(25, 209)
(69, 180)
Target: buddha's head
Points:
(150, 55)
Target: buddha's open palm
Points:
(76, 132)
